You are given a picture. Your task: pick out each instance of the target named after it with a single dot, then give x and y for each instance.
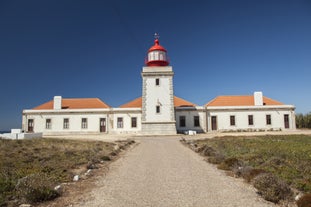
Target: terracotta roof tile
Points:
(240, 101)
(179, 102)
(75, 103)
(137, 103)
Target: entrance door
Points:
(30, 125)
(286, 121)
(102, 124)
(214, 123)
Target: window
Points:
(250, 120)
(232, 120)
(196, 121)
(158, 109)
(66, 124)
(134, 122)
(120, 122)
(48, 124)
(157, 81)
(268, 119)
(84, 123)
(182, 121)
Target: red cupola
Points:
(157, 54)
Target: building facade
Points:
(158, 111)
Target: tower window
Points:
(158, 109)
(157, 81)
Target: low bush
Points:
(36, 188)
(105, 158)
(230, 164)
(272, 188)
(252, 173)
(304, 201)
(216, 159)
(208, 151)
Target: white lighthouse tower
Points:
(158, 95)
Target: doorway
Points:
(102, 124)
(214, 123)
(286, 121)
(30, 125)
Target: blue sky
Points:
(96, 48)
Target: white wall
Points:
(259, 119)
(57, 119)
(189, 113)
(75, 120)
(127, 121)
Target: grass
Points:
(273, 164)
(286, 156)
(50, 161)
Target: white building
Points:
(158, 111)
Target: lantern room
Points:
(157, 55)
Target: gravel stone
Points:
(162, 172)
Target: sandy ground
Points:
(162, 172)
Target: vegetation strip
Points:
(275, 165)
(31, 171)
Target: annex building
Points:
(158, 110)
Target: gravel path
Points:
(163, 172)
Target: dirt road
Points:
(163, 172)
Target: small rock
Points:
(116, 147)
(76, 178)
(88, 172)
(57, 187)
(25, 205)
(297, 197)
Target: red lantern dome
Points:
(157, 54)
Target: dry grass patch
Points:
(287, 157)
(30, 169)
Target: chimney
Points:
(258, 98)
(57, 102)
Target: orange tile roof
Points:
(137, 103)
(179, 102)
(240, 101)
(75, 103)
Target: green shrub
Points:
(35, 188)
(304, 201)
(272, 188)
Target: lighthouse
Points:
(158, 115)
